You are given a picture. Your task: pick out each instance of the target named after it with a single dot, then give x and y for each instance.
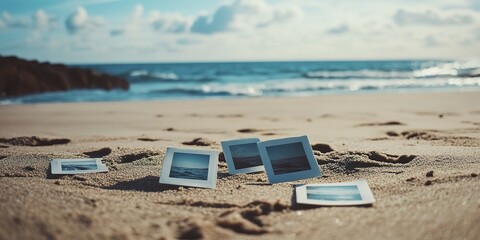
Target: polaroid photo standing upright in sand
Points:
(242, 155)
(77, 166)
(335, 194)
(288, 159)
(190, 167)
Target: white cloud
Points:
(11, 22)
(80, 21)
(160, 22)
(170, 22)
(429, 17)
(244, 14)
(339, 30)
(431, 41)
(41, 20)
(133, 24)
(38, 21)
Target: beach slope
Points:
(419, 153)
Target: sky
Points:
(244, 150)
(129, 31)
(188, 160)
(284, 151)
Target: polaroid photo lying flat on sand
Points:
(242, 155)
(77, 166)
(189, 167)
(335, 194)
(288, 159)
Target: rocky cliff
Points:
(22, 77)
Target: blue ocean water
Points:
(260, 79)
(289, 165)
(334, 193)
(247, 162)
(189, 173)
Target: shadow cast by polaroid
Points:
(288, 159)
(242, 156)
(190, 167)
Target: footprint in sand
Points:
(34, 141)
(99, 153)
(389, 123)
(321, 147)
(128, 158)
(247, 219)
(244, 219)
(230, 116)
(248, 130)
(350, 161)
(198, 142)
(145, 139)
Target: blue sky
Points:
(188, 160)
(123, 31)
(244, 150)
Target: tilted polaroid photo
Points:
(288, 159)
(77, 166)
(335, 194)
(190, 167)
(242, 155)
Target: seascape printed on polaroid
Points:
(288, 158)
(189, 166)
(79, 165)
(245, 155)
(334, 193)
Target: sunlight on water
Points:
(258, 79)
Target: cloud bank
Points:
(244, 14)
(428, 17)
(79, 21)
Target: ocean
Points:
(189, 173)
(247, 162)
(79, 165)
(289, 165)
(172, 81)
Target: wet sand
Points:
(420, 154)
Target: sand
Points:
(419, 152)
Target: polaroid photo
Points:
(335, 194)
(288, 159)
(190, 167)
(77, 166)
(242, 155)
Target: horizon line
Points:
(230, 61)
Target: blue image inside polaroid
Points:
(245, 155)
(334, 193)
(190, 166)
(79, 165)
(287, 158)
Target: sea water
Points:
(172, 81)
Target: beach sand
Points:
(419, 152)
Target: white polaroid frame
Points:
(229, 157)
(212, 169)
(314, 170)
(362, 185)
(56, 165)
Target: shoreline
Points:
(240, 98)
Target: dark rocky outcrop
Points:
(22, 77)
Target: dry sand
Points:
(427, 187)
